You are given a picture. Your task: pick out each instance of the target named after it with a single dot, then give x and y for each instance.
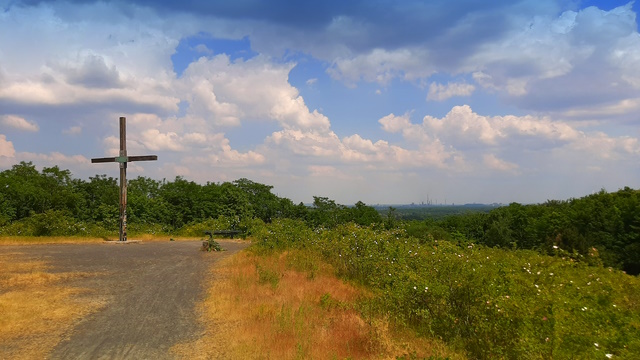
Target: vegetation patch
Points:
(490, 303)
(267, 306)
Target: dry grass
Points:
(36, 307)
(264, 308)
(40, 240)
(37, 240)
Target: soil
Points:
(150, 289)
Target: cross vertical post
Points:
(123, 179)
(123, 159)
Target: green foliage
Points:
(51, 223)
(493, 303)
(608, 222)
(211, 245)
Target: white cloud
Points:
(440, 92)
(6, 147)
(19, 123)
(382, 66)
(491, 161)
(462, 128)
(574, 63)
(224, 92)
(311, 81)
(155, 140)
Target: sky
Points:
(385, 102)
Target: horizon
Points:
(384, 103)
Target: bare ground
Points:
(150, 289)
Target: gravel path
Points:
(151, 290)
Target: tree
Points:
(365, 215)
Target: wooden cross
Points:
(123, 159)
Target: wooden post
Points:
(123, 179)
(123, 159)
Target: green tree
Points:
(365, 215)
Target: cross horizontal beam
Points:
(124, 159)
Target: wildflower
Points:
(596, 344)
(609, 356)
(415, 288)
(550, 274)
(555, 246)
(584, 308)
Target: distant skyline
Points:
(383, 102)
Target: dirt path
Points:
(150, 288)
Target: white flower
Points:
(596, 344)
(555, 246)
(415, 288)
(609, 356)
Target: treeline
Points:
(52, 202)
(600, 227)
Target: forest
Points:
(517, 282)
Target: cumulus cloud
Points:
(440, 92)
(92, 72)
(457, 138)
(69, 56)
(6, 147)
(225, 92)
(382, 66)
(19, 123)
(577, 60)
(463, 128)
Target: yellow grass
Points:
(39, 240)
(36, 308)
(261, 308)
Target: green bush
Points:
(49, 223)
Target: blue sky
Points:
(383, 102)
